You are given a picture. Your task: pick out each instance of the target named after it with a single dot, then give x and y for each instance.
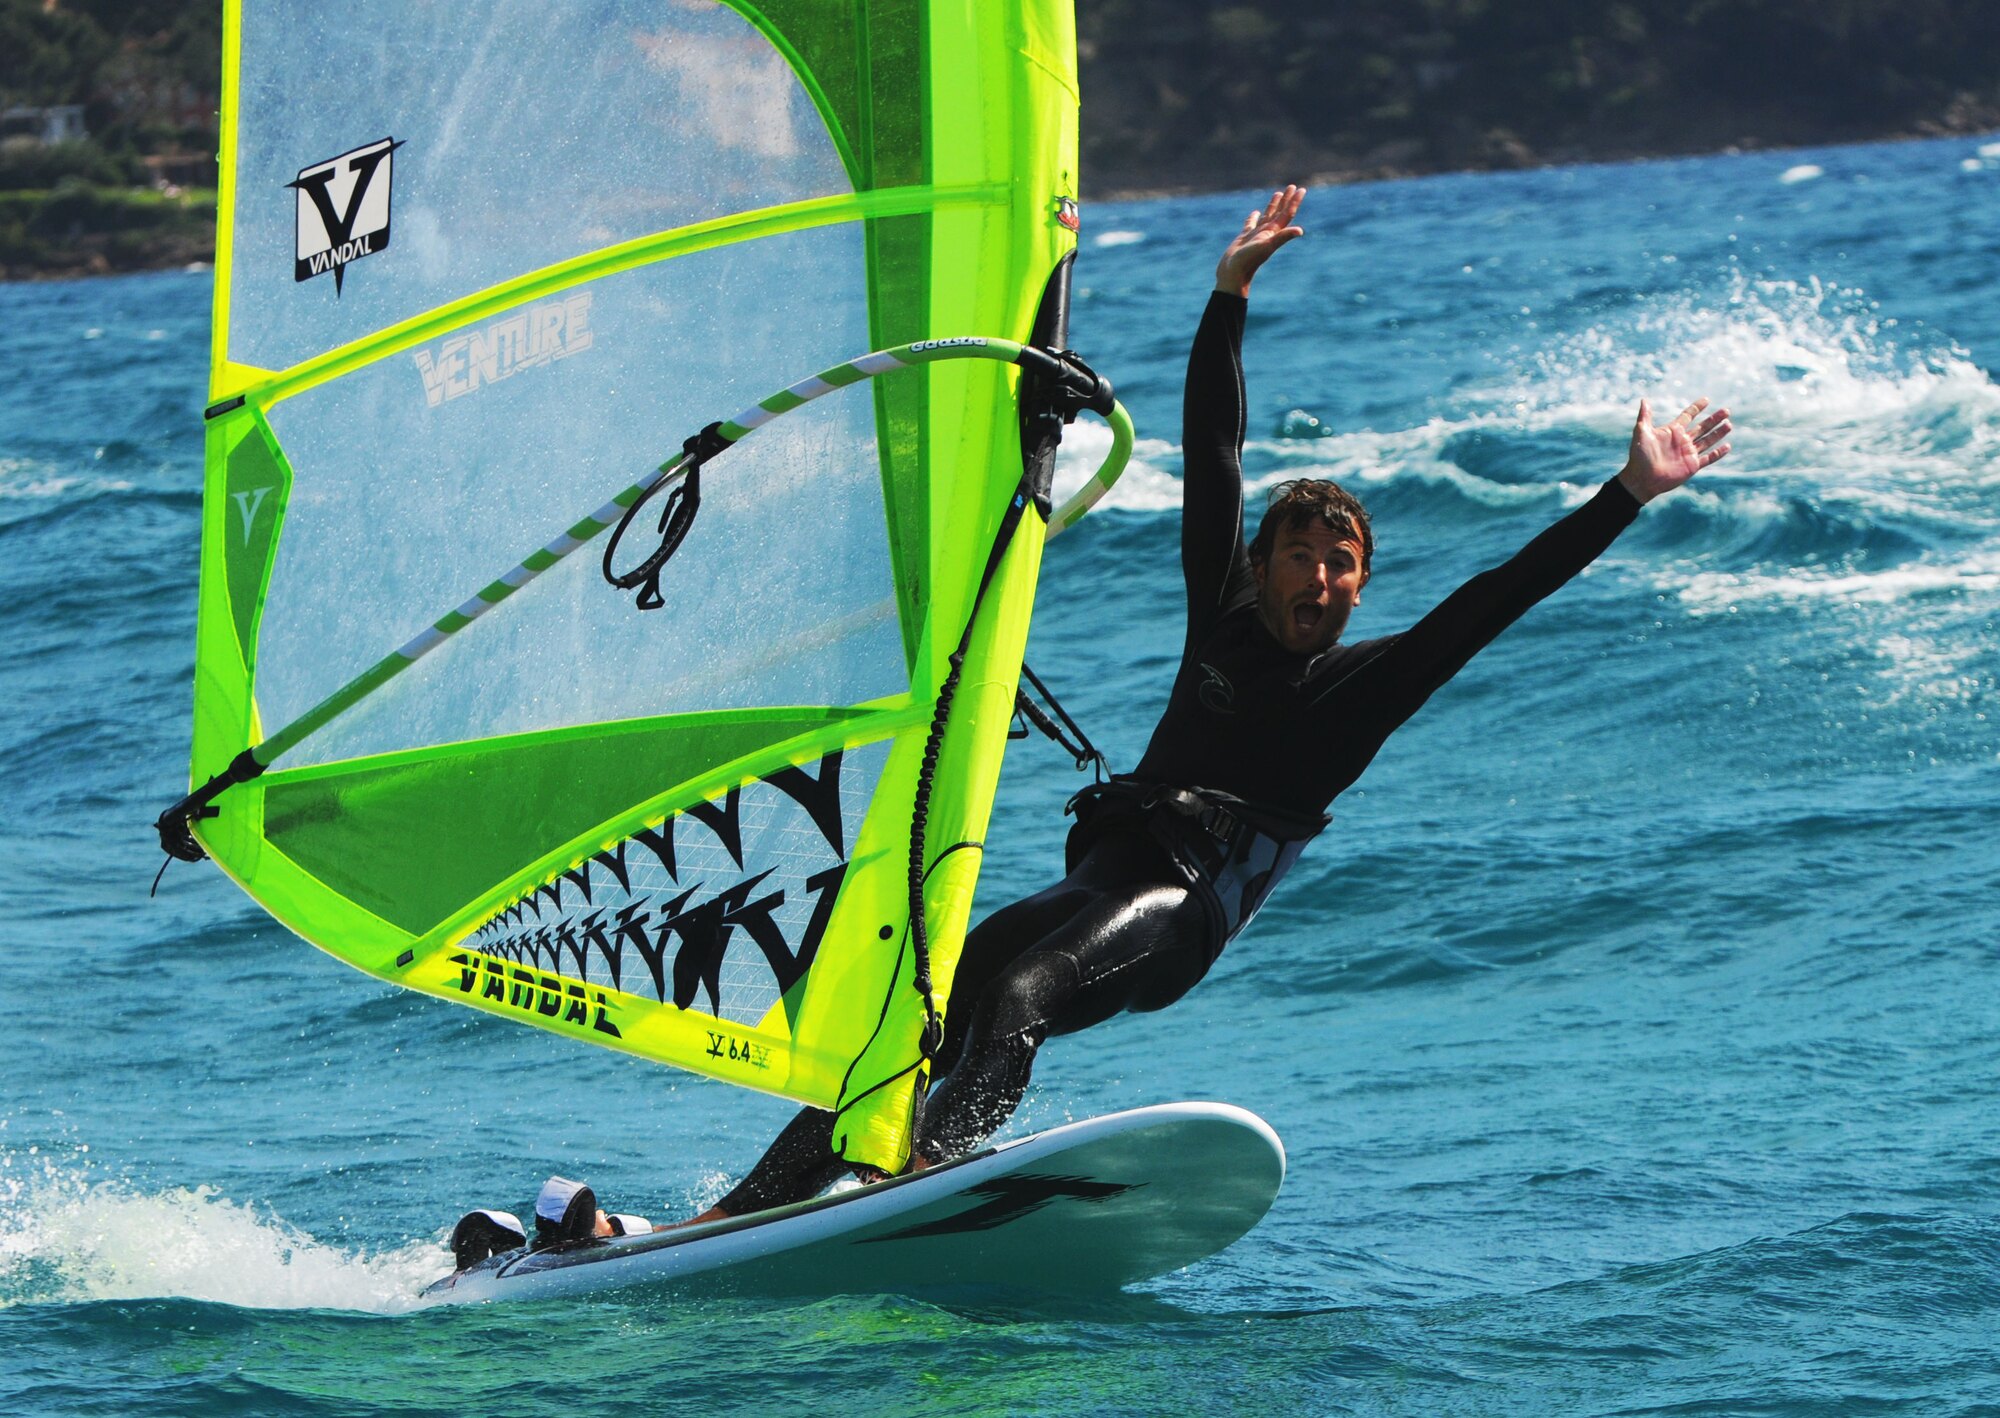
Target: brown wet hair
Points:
(1303, 502)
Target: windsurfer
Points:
(1269, 719)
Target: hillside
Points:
(1179, 96)
(1182, 96)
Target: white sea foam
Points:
(1369, 459)
(1804, 172)
(55, 485)
(28, 485)
(1828, 404)
(1143, 487)
(1719, 590)
(1924, 669)
(1832, 410)
(65, 1238)
(1118, 238)
(1794, 351)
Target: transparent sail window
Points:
(422, 478)
(526, 134)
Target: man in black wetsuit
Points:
(1270, 718)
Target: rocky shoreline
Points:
(76, 231)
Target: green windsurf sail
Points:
(480, 269)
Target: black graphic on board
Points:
(1008, 1199)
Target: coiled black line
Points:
(676, 518)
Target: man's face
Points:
(1310, 585)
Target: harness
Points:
(1229, 853)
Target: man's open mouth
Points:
(1306, 615)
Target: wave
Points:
(23, 481)
(1144, 486)
(1865, 467)
(1709, 591)
(31, 487)
(1808, 1269)
(65, 1237)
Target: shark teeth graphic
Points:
(692, 890)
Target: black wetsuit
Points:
(1270, 735)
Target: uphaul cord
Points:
(1070, 380)
(1064, 387)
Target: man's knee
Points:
(1028, 994)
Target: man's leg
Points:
(801, 1163)
(797, 1165)
(1139, 948)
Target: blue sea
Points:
(1632, 1032)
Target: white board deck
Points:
(1090, 1206)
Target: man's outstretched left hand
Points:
(1666, 455)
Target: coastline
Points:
(79, 229)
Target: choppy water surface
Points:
(1632, 1032)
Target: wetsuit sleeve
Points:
(1213, 558)
(1414, 664)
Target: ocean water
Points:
(1632, 1032)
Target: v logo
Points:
(247, 503)
(330, 235)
